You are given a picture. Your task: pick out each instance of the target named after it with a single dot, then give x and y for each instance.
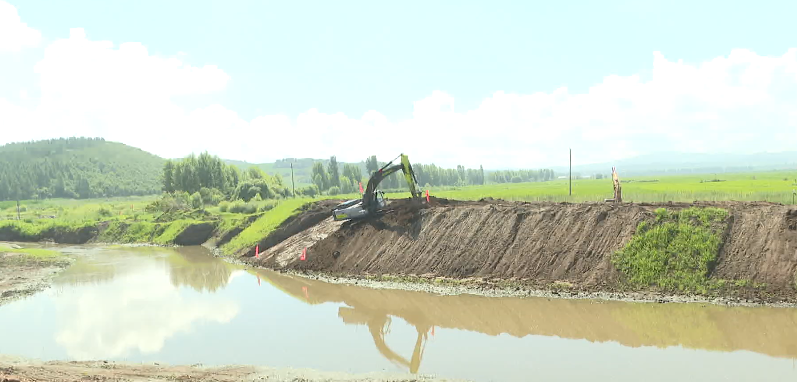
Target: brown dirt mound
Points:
(544, 242)
(482, 239)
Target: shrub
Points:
(224, 206)
(241, 207)
(196, 200)
(237, 206)
(310, 191)
(334, 190)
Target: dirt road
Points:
(24, 370)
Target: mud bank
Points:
(545, 246)
(22, 275)
(22, 370)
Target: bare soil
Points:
(25, 370)
(20, 277)
(541, 244)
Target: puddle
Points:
(182, 306)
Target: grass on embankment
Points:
(675, 252)
(264, 225)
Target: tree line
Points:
(211, 180)
(330, 179)
(76, 168)
(521, 176)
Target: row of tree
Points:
(208, 175)
(330, 179)
(520, 176)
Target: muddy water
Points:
(183, 306)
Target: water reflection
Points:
(770, 331)
(187, 266)
(137, 307)
(193, 267)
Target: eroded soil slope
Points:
(481, 239)
(543, 242)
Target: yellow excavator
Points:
(373, 200)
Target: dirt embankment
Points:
(542, 243)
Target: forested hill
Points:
(76, 168)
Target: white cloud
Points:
(742, 102)
(14, 34)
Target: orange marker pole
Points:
(304, 254)
(427, 196)
(257, 251)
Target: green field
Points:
(776, 187)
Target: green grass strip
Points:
(676, 251)
(263, 226)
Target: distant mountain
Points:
(665, 163)
(76, 168)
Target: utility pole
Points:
(571, 173)
(293, 184)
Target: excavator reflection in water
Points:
(769, 332)
(379, 325)
(360, 311)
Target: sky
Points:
(503, 84)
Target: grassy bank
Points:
(264, 225)
(128, 220)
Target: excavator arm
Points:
(369, 197)
(369, 204)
